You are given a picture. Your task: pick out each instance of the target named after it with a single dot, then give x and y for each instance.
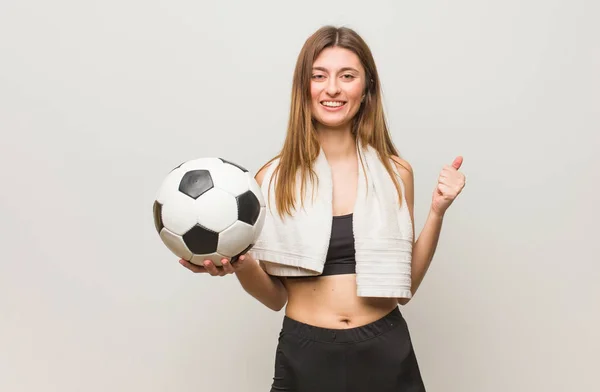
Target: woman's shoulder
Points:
(404, 168)
(262, 172)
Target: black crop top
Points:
(340, 254)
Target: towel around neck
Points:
(297, 245)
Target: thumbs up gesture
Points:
(450, 183)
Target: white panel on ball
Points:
(169, 185)
(201, 164)
(229, 178)
(177, 213)
(175, 244)
(214, 257)
(235, 239)
(215, 210)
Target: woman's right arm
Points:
(267, 289)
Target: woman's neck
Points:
(337, 144)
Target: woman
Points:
(342, 329)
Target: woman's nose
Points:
(333, 87)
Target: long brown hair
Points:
(301, 145)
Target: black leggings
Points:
(377, 357)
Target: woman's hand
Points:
(210, 268)
(450, 183)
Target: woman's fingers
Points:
(210, 267)
(239, 263)
(227, 267)
(192, 267)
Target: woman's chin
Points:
(335, 127)
(337, 123)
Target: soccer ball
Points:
(209, 208)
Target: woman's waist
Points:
(332, 302)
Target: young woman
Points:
(338, 246)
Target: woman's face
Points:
(337, 87)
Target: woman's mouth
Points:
(333, 105)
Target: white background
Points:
(99, 100)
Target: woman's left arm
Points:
(450, 183)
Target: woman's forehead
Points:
(337, 59)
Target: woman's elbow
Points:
(276, 306)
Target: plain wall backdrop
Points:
(99, 100)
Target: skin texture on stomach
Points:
(331, 302)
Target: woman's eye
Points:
(348, 76)
(317, 76)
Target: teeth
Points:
(332, 103)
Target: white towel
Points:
(297, 245)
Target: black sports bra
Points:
(340, 254)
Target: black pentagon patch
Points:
(157, 210)
(236, 257)
(200, 240)
(234, 164)
(248, 207)
(195, 182)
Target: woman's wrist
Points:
(436, 214)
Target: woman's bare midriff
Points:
(331, 302)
